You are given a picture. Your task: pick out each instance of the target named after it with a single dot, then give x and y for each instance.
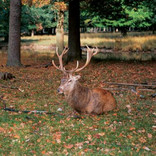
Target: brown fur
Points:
(94, 101)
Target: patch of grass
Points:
(126, 56)
(119, 132)
(116, 42)
(134, 42)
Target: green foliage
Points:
(139, 17)
(4, 17)
(118, 13)
(151, 6)
(35, 18)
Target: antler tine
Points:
(90, 53)
(65, 51)
(57, 51)
(55, 65)
(60, 60)
(96, 51)
(93, 53)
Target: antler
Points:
(90, 53)
(60, 59)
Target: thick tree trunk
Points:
(14, 33)
(74, 31)
(124, 31)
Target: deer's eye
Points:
(69, 80)
(63, 80)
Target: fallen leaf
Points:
(132, 128)
(69, 146)
(79, 144)
(120, 135)
(142, 140)
(97, 136)
(89, 137)
(43, 152)
(107, 122)
(149, 135)
(2, 129)
(129, 136)
(102, 134)
(16, 136)
(86, 150)
(146, 148)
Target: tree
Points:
(119, 13)
(14, 34)
(61, 8)
(36, 3)
(36, 18)
(36, 15)
(4, 19)
(151, 6)
(74, 31)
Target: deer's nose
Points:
(58, 90)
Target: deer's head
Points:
(67, 83)
(69, 80)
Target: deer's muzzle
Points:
(60, 90)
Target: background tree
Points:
(119, 13)
(74, 30)
(37, 18)
(151, 6)
(61, 8)
(4, 19)
(14, 34)
(36, 15)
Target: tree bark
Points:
(60, 40)
(124, 31)
(14, 34)
(32, 33)
(74, 31)
(60, 32)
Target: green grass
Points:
(134, 42)
(116, 133)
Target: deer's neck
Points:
(79, 90)
(79, 97)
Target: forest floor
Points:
(128, 130)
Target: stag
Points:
(80, 98)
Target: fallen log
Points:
(149, 90)
(131, 84)
(11, 87)
(6, 76)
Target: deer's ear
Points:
(77, 77)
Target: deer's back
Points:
(102, 101)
